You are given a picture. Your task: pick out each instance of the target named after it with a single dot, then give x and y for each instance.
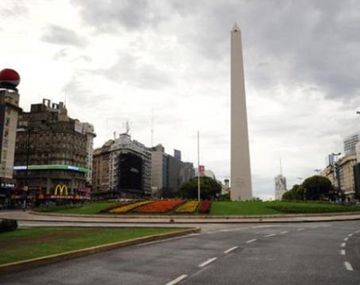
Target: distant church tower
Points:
(240, 155)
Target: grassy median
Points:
(222, 208)
(24, 244)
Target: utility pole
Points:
(198, 151)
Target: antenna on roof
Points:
(152, 127)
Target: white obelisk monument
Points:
(240, 156)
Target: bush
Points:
(8, 225)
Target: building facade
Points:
(9, 112)
(280, 186)
(346, 175)
(350, 144)
(168, 173)
(122, 166)
(52, 152)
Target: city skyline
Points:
(298, 61)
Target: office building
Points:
(168, 173)
(52, 152)
(280, 186)
(9, 112)
(123, 167)
(350, 144)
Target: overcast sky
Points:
(119, 60)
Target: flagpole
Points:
(198, 150)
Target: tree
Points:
(295, 193)
(210, 188)
(317, 187)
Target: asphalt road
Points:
(301, 253)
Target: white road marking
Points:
(252, 240)
(207, 262)
(284, 232)
(350, 235)
(301, 229)
(270, 235)
(348, 266)
(342, 252)
(345, 239)
(343, 244)
(177, 280)
(230, 249)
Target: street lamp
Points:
(336, 170)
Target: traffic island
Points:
(28, 248)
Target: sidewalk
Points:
(161, 219)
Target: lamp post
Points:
(336, 170)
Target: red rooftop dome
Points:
(10, 77)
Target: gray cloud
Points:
(14, 9)
(63, 36)
(129, 69)
(314, 43)
(112, 15)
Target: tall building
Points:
(9, 112)
(52, 152)
(122, 166)
(280, 186)
(346, 175)
(88, 130)
(168, 173)
(350, 144)
(241, 188)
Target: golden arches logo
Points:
(61, 190)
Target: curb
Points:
(45, 260)
(185, 219)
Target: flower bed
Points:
(127, 208)
(205, 206)
(117, 205)
(188, 208)
(161, 206)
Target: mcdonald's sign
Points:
(61, 190)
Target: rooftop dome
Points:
(9, 77)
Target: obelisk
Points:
(240, 155)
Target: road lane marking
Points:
(301, 229)
(230, 249)
(270, 235)
(343, 244)
(177, 280)
(345, 239)
(350, 235)
(252, 240)
(348, 266)
(207, 262)
(284, 232)
(342, 252)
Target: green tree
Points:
(295, 193)
(210, 188)
(317, 188)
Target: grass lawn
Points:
(228, 208)
(30, 243)
(241, 208)
(88, 208)
(310, 207)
